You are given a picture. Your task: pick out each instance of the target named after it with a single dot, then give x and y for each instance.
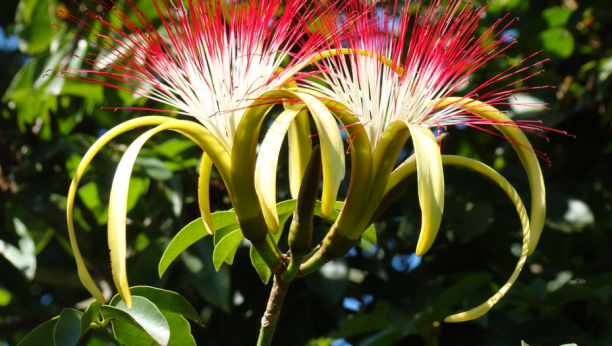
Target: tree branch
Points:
(270, 317)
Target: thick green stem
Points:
(334, 245)
(293, 268)
(270, 317)
(270, 254)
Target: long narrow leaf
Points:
(225, 250)
(193, 232)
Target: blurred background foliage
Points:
(382, 295)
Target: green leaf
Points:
(333, 216)
(5, 297)
(191, 233)
(129, 334)
(171, 148)
(24, 256)
(138, 187)
(370, 235)
(155, 168)
(180, 330)
(148, 322)
(556, 16)
(41, 335)
(89, 194)
(166, 301)
(260, 266)
(221, 233)
(284, 210)
(91, 315)
(34, 30)
(501, 6)
(558, 41)
(212, 285)
(225, 250)
(173, 191)
(68, 328)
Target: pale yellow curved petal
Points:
(83, 273)
(332, 150)
(430, 185)
(267, 163)
(300, 147)
(247, 204)
(117, 212)
(204, 193)
(523, 148)
(511, 192)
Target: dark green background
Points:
(562, 296)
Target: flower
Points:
(397, 73)
(394, 65)
(416, 62)
(224, 64)
(209, 59)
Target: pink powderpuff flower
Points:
(208, 59)
(415, 62)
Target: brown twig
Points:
(270, 317)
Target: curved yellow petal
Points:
(83, 273)
(300, 147)
(511, 192)
(362, 170)
(430, 185)
(332, 151)
(384, 158)
(528, 158)
(267, 163)
(117, 211)
(204, 193)
(247, 204)
(410, 167)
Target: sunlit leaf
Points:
(180, 330)
(191, 233)
(225, 250)
(91, 315)
(558, 41)
(150, 326)
(165, 301)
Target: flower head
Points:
(404, 63)
(208, 59)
